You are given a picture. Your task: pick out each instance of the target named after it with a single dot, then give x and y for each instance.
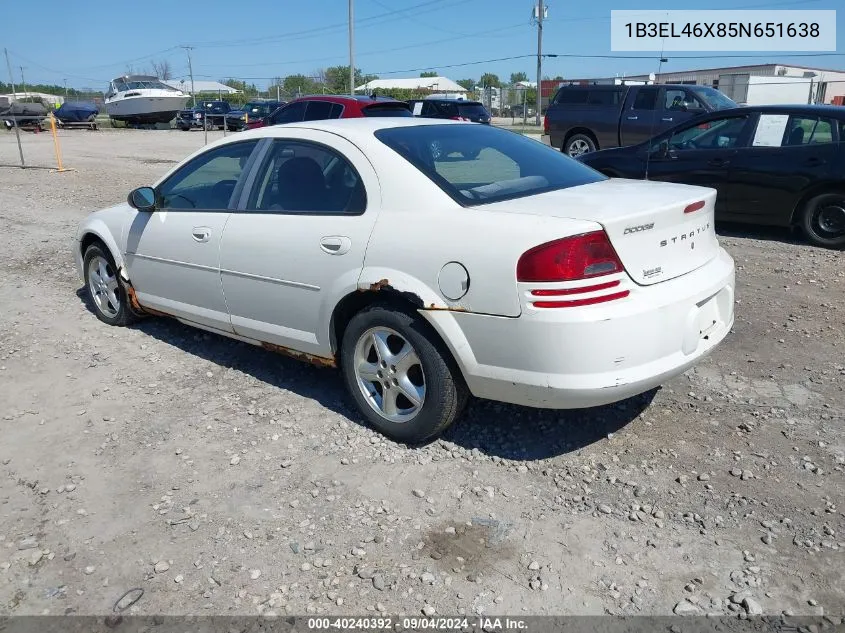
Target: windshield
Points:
(477, 164)
(387, 109)
(122, 86)
(257, 109)
(715, 99)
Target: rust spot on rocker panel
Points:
(447, 308)
(320, 361)
(133, 301)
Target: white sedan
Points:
(428, 260)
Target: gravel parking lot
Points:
(223, 479)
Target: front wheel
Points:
(823, 220)
(400, 376)
(104, 288)
(578, 145)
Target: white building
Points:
(821, 84)
(434, 84)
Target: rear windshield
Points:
(479, 164)
(388, 109)
(472, 110)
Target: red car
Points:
(320, 107)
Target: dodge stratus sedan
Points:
(425, 276)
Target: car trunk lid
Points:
(659, 230)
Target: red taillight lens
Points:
(569, 259)
(695, 206)
(546, 124)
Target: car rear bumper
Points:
(569, 358)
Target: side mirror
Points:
(694, 110)
(142, 198)
(662, 150)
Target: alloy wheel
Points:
(102, 282)
(389, 374)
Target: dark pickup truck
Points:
(583, 119)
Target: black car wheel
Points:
(578, 145)
(823, 220)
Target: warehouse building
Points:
(822, 85)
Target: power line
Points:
(338, 27)
(367, 53)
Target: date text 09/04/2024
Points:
(415, 623)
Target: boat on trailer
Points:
(142, 100)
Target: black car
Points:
(456, 109)
(254, 110)
(214, 111)
(771, 165)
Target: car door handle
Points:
(814, 160)
(335, 244)
(718, 162)
(632, 118)
(201, 233)
(668, 119)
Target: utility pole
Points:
(23, 83)
(14, 96)
(351, 50)
(188, 50)
(540, 10)
(65, 80)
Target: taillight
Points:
(570, 259)
(546, 124)
(695, 206)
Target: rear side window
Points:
(783, 130)
(571, 96)
(606, 98)
(646, 99)
(318, 110)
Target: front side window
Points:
(307, 178)
(208, 181)
(478, 164)
(716, 134)
(680, 100)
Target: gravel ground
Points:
(223, 479)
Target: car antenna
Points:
(651, 132)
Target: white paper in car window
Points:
(770, 130)
(417, 108)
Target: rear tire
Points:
(105, 289)
(578, 145)
(823, 220)
(386, 353)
